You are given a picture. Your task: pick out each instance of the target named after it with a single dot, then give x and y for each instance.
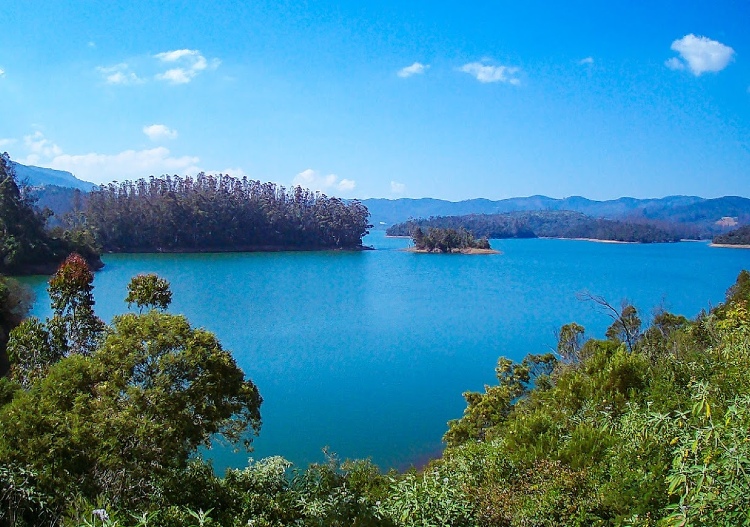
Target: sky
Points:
(450, 100)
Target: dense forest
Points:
(209, 213)
(100, 425)
(739, 236)
(447, 240)
(27, 246)
(543, 224)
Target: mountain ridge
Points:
(42, 177)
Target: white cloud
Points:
(674, 64)
(190, 63)
(6, 142)
(415, 69)
(119, 74)
(313, 180)
(397, 188)
(2, 72)
(486, 73)
(157, 132)
(587, 60)
(38, 148)
(346, 184)
(130, 164)
(701, 54)
(104, 168)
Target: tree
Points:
(74, 325)
(569, 341)
(15, 302)
(626, 325)
(148, 290)
(31, 352)
(116, 421)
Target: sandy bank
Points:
(729, 246)
(456, 251)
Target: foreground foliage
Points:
(649, 426)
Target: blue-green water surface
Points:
(369, 352)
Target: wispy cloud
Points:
(189, 62)
(415, 69)
(313, 180)
(129, 164)
(487, 73)
(7, 142)
(700, 55)
(587, 60)
(397, 188)
(179, 66)
(2, 72)
(158, 132)
(119, 74)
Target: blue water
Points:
(369, 352)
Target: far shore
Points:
(728, 246)
(238, 249)
(596, 240)
(460, 251)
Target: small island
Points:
(738, 238)
(449, 241)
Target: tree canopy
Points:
(209, 212)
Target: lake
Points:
(368, 352)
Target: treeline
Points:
(446, 240)
(27, 246)
(210, 213)
(543, 224)
(739, 236)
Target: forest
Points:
(101, 425)
(543, 224)
(216, 213)
(739, 236)
(27, 246)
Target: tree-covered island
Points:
(436, 240)
(220, 213)
(170, 214)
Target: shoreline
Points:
(460, 251)
(595, 240)
(241, 249)
(729, 246)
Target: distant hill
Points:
(42, 177)
(696, 217)
(543, 224)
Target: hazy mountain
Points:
(42, 177)
(704, 216)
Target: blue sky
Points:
(452, 100)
